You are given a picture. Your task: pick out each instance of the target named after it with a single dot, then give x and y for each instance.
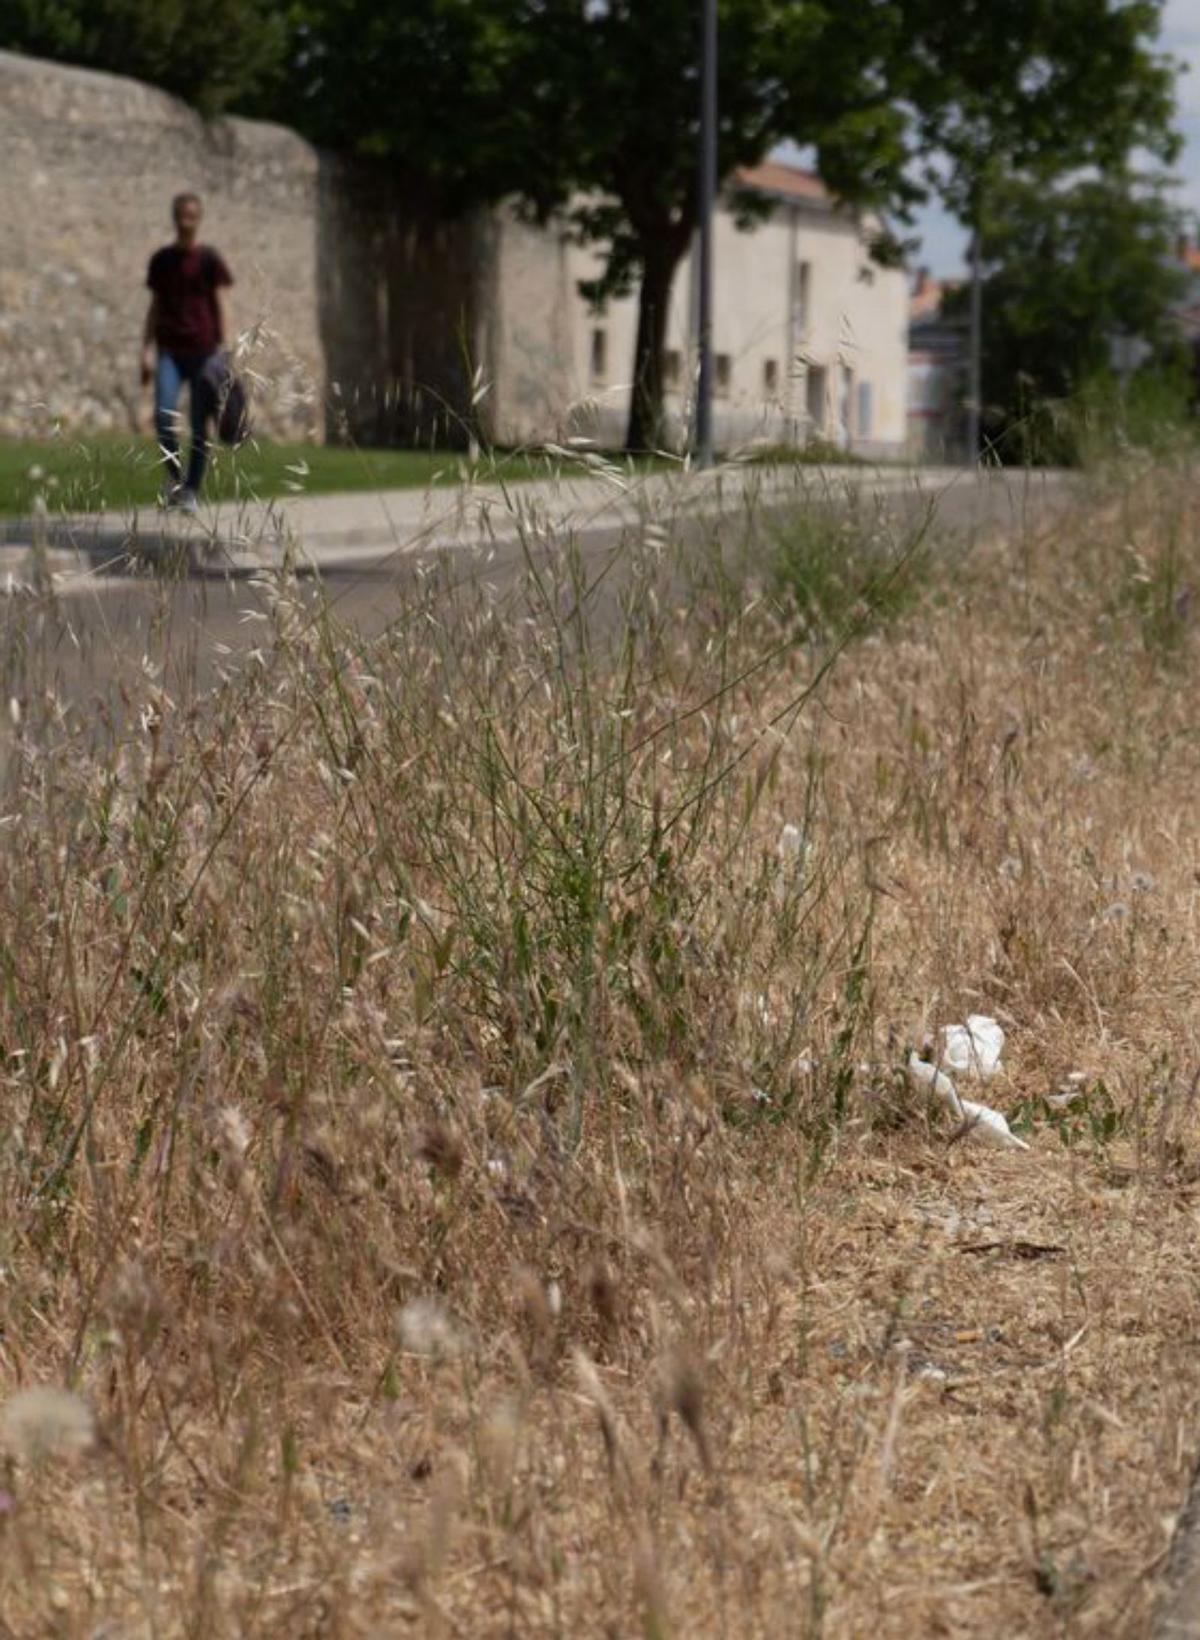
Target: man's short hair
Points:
(185, 198)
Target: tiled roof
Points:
(926, 299)
(774, 177)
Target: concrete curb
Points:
(364, 533)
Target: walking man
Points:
(186, 325)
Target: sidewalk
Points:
(364, 530)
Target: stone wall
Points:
(362, 319)
(89, 165)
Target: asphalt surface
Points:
(187, 629)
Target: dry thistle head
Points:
(46, 1422)
(603, 1292)
(440, 1145)
(537, 1309)
(683, 1388)
(136, 1304)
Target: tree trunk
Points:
(659, 262)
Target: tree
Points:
(461, 100)
(216, 55)
(879, 92)
(1066, 269)
(812, 73)
(1034, 87)
(591, 106)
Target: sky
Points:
(943, 242)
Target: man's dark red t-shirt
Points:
(186, 281)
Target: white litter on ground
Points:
(973, 1049)
(980, 1122)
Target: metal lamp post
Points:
(975, 353)
(708, 196)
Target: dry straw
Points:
(456, 1126)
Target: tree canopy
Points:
(591, 106)
(217, 55)
(1066, 269)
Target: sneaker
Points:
(168, 496)
(186, 502)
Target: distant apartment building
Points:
(937, 368)
(809, 334)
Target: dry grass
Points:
(460, 1161)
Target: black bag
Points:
(228, 402)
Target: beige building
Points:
(810, 336)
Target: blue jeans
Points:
(173, 370)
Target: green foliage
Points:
(222, 54)
(1106, 420)
(1065, 269)
(464, 101)
(840, 569)
(1041, 86)
(1154, 589)
(1093, 1116)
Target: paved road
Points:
(87, 643)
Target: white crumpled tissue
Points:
(973, 1049)
(981, 1122)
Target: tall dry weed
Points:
(454, 1141)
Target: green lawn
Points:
(87, 474)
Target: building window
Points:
(816, 392)
(722, 375)
(672, 370)
(770, 378)
(599, 355)
(843, 431)
(802, 298)
(866, 410)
